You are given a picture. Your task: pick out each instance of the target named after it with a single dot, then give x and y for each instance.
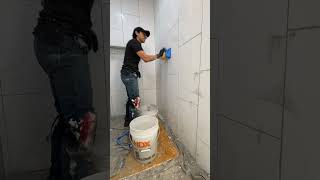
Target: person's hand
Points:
(161, 52)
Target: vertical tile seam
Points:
(284, 92)
(198, 107)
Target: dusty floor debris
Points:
(173, 162)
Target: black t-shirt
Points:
(131, 59)
(69, 15)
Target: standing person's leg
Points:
(67, 67)
(49, 56)
(130, 80)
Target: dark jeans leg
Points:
(130, 80)
(68, 70)
(66, 65)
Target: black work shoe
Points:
(126, 123)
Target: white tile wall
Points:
(116, 61)
(183, 100)
(149, 75)
(187, 127)
(129, 23)
(116, 27)
(147, 22)
(116, 38)
(149, 97)
(205, 54)
(130, 7)
(115, 15)
(189, 63)
(173, 43)
(118, 104)
(172, 99)
(204, 107)
(206, 19)
(132, 13)
(190, 19)
(203, 155)
(118, 95)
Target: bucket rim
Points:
(154, 127)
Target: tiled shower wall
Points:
(125, 16)
(183, 83)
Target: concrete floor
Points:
(179, 168)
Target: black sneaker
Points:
(127, 122)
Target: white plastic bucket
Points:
(144, 138)
(149, 109)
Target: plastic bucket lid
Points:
(145, 126)
(150, 109)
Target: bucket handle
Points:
(130, 138)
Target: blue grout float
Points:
(166, 55)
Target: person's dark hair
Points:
(134, 34)
(140, 29)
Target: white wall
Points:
(183, 83)
(125, 16)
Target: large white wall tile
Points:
(156, 24)
(203, 155)
(205, 53)
(147, 22)
(149, 97)
(146, 14)
(206, 19)
(116, 61)
(130, 7)
(178, 87)
(189, 62)
(204, 107)
(190, 19)
(149, 76)
(172, 99)
(115, 15)
(163, 89)
(187, 128)
(173, 14)
(118, 94)
(129, 23)
(118, 104)
(116, 38)
(173, 43)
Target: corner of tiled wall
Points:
(183, 83)
(125, 16)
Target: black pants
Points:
(130, 80)
(64, 58)
(66, 64)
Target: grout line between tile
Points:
(190, 39)
(249, 127)
(199, 82)
(284, 93)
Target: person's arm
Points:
(146, 57)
